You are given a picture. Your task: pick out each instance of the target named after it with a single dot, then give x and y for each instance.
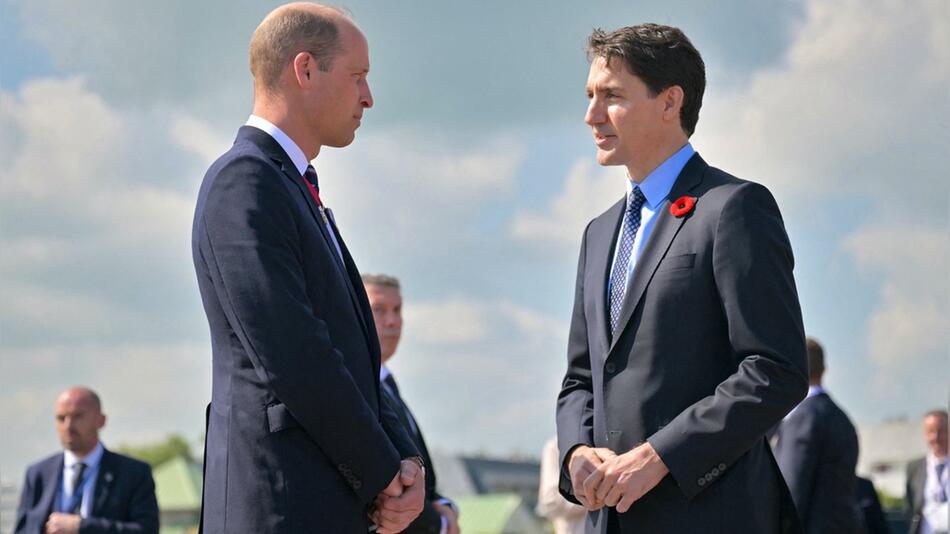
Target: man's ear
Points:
(302, 65)
(672, 98)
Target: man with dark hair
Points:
(686, 343)
(927, 488)
(86, 488)
(298, 439)
(440, 515)
(816, 447)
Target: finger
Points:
(627, 501)
(614, 495)
(394, 489)
(607, 483)
(604, 454)
(591, 483)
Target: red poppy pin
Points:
(682, 206)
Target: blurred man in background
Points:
(86, 488)
(926, 496)
(817, 451)
(565, 516)
(440, 515)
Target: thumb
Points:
(407, 472)
(394, 489)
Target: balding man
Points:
(298, 438)
(86, 488)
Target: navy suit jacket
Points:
(708, 355)
(430, 520)
(817, 450)
(297, 438)
(123, 501)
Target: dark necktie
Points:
(311, 176)
(942, 492)
(628, 233)
(80, 469)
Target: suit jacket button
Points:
(722, 467)
(708, 477)
(357, 484)
(701, 481)
(715, 471)
(610, 367)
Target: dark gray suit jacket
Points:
(914, 493)
(817, 450)
(297, 438)
(123, 501)
(709, 354)
(430, 520)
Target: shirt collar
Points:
(91, 460)
(932, 460)
(657, 185)
(384, 372)
(290, 147)
(814, 390)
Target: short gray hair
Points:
(380, 280)
(289, 31)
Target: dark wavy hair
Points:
(661, 56)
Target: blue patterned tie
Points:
(618, 277)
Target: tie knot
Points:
(635, 199)
(311, 176)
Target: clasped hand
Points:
(601, 477)
(401, 501)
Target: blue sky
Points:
(471, 179)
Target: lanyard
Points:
(76, 497)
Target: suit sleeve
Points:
(252, 249)
(575, 403)
(797, 455)
(26, 498)
(142, 515)
(752, 268)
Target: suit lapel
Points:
(272, 148)
(52, 475)
(104, 483)
(601, 252)
(664, 231)
(360, 300)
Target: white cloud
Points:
(909, 330)
(477, 389)
(586, 193)
(853, 105)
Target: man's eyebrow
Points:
(604, 87)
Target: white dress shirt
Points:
(934, 520)
(297, 157)
(92, 461)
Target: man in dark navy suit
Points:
(686, 343)
(440, 515)
(86, 488)
(298, 439)
(816, 447)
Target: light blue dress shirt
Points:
(655, 188)
(92, 461)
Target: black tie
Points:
(80, 471)
(391, 384)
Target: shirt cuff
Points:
(449, 503)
